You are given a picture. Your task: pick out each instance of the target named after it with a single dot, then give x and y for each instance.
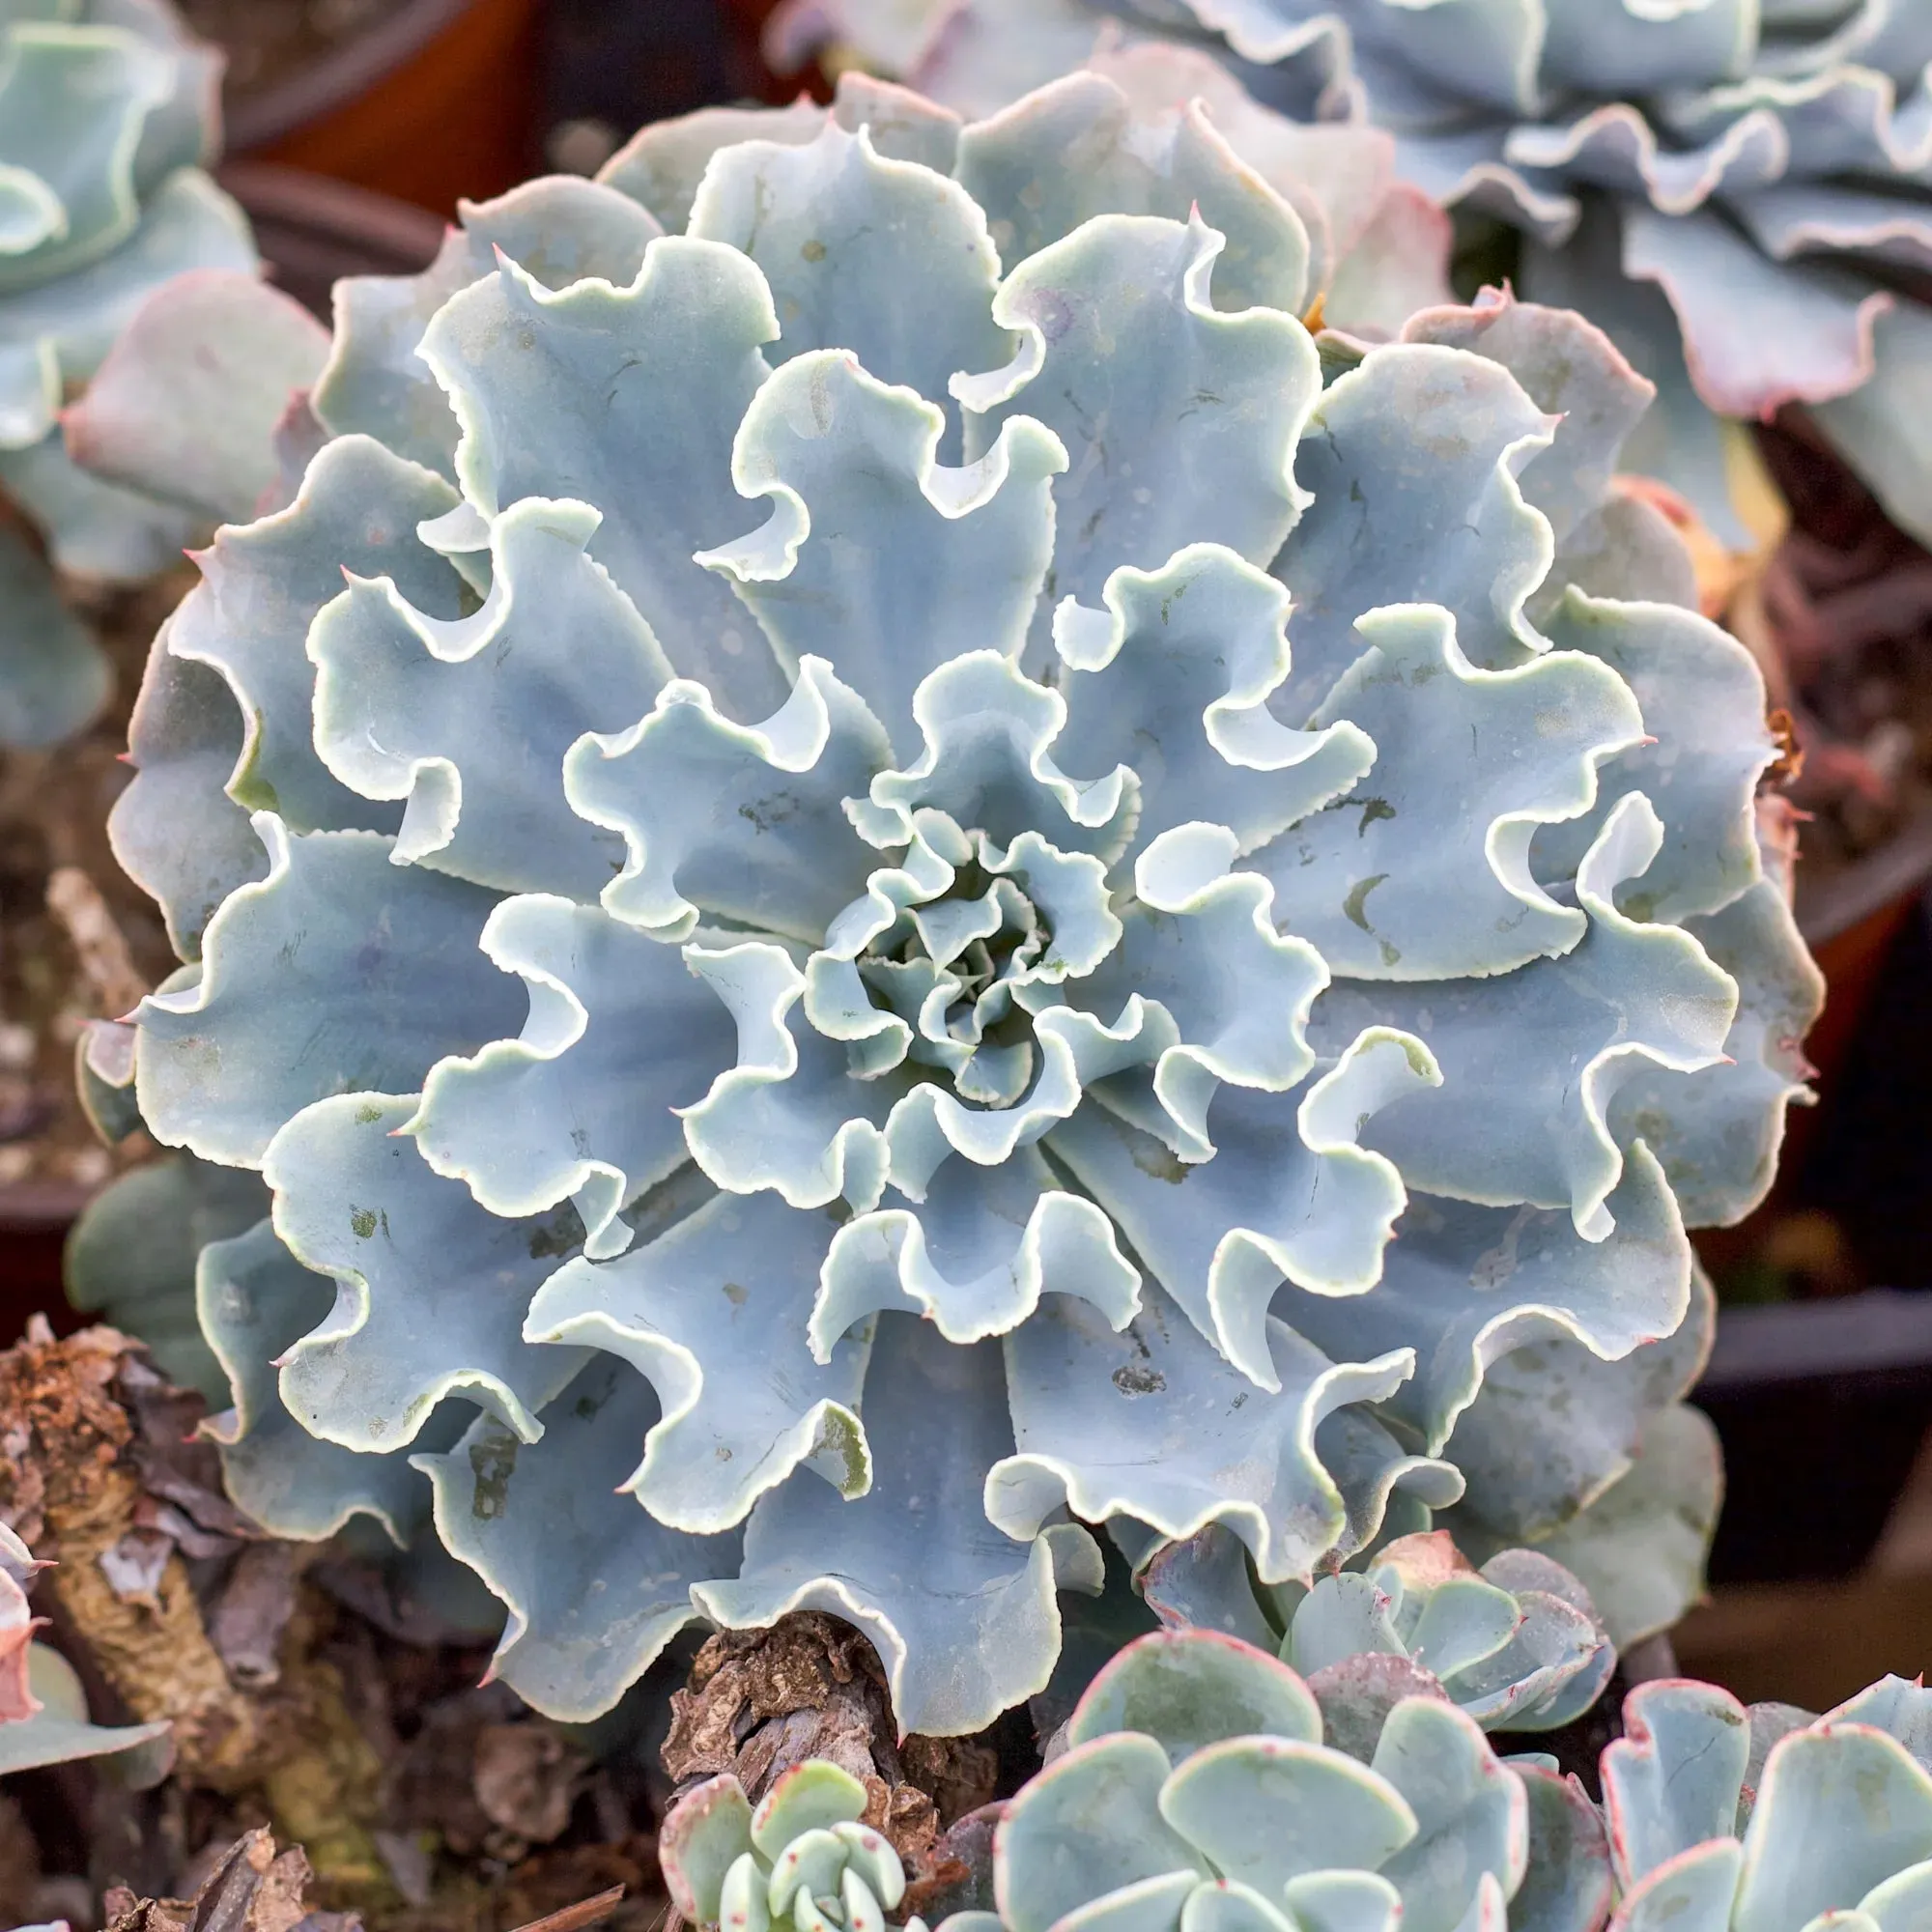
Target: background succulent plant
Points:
(803, 1859)
(42, 1708)
(919, 1017)
(1725, 1817)
(1518, 1644)
(1738, 194)
(1204, 1780)
(107, 122)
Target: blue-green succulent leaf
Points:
(713, 1312)
(94, 529)
(255, 1301)
(645, 388)
(862, 255)
(1188, 1692)
(703, 1835)
(1708, 747)
(876, 557)
(1132, 163)
(413, 706)
(263, 587)
(1178, 422)
(130, 1258)
(1264, 1811)
(1672, 1781)
(558, 229)
(185, 407)
(963, 1617)
(234, 1047)
(1368, 540)
(1626, 995)
(661, 166)
(1328, 1203)
(531, 1121)
(1470, 1811)
(1469, 1285)
(741, 822)
(1717, 1133)
(1153, 1423)
(1185, 660)
(1092, 1818)
(1569, 1886)
(1387, 891)
(431, 1290)
(54, 677)
(595, 1587)
(1839, 1808)
(185, 739)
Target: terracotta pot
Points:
(440, 101)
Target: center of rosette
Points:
(949, 956)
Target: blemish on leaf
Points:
(1135, 1379)
(814, 250)
(492, 1461)
(1358, 896)
(367, 1114)
(736, 1294)
(362, 1223)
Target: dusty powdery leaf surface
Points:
(906, 852)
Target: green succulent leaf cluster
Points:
(1518, 1644)
(853, 856)
(1725, 1819)
(804, 1859)
(108, 126)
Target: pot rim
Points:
(331, 82)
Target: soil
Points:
(53, 815)
(268, 42)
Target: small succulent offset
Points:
(803, 1859)
(1723, 1819)
(1518, 1644)
(1204, 1782)
(934, 885)
(1740, 195)
(107, 122)
(42, 1708)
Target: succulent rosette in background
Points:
(1739, 193)
(107, 125)
(883, 881)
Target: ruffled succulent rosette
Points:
(1723, 1819)
(1518, 1645)
(42, 1708)
(906, 852)
(1741, 197)
(108, 122)
(1206, 1784)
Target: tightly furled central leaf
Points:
(1146, 950)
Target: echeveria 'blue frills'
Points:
(873, 886)
(108, 124)
(1740, 195)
